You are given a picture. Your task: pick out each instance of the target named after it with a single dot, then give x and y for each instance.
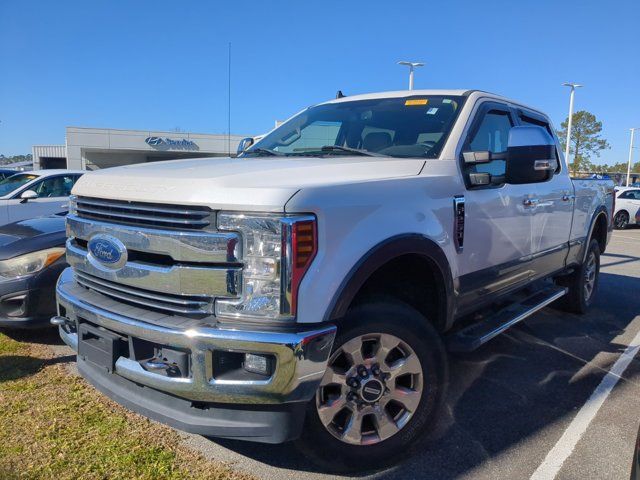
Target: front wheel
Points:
(621, 220)
(384, 383)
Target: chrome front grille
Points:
(178, 272)
(149, 215)
(180, 304)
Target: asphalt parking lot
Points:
(538, 402)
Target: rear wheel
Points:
(383, 385)
(583, 282)
(621, 220)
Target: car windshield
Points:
(415, 126)
(14, 182)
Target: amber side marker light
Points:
(304, 245)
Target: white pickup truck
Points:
(311, 288)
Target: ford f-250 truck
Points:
(311, 288)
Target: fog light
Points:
(260, 364)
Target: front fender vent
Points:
(458, 222)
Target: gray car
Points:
(31, 259)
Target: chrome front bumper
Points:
(301, 357)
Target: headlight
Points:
(277, 250)
(73, 205)
(30, 263)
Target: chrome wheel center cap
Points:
(371, 390)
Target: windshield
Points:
(415, 126)
(14, 182)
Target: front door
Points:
(498, 221)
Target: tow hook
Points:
(59, 321)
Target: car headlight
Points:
(73, 205)
(277, 251)
(30, 263)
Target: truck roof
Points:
(440, 92)
(398, 93)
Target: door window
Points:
(630, 195)
(59, 186)
(491, 134)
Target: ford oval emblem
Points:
(107, 250)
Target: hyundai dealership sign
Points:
(165, 143)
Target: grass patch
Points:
(53, 425)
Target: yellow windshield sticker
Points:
(416, 101)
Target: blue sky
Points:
(162, 65)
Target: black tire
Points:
(402, 322)
(621, 220)
(577, 300)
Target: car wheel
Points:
(621, 220)
(383, 386)
(582, 283)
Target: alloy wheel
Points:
(590, 272)
(371, 388)
(621, 220)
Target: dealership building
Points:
(95, 148)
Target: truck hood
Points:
(254, 184)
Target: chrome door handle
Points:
(530, 202)
(566, 198)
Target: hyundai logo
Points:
(108, 251)
(169, 143)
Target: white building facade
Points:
(95, 148)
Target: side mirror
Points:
(244, 144)
(28, 195)
(531, 155)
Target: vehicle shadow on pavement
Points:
(518, 385)
(623, 259)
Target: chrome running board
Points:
(477, 334)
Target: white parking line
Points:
(572, 435)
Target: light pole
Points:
(630, 154)
(412, 66)
(573, 91)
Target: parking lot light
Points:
(412, 66)
(570, 121)
(630, 155)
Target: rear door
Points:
(498, 228)
(552, 211)
(53, 197)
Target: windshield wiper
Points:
(268, 151)
(357, 151)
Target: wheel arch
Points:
(409, 249)
(598, 230)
